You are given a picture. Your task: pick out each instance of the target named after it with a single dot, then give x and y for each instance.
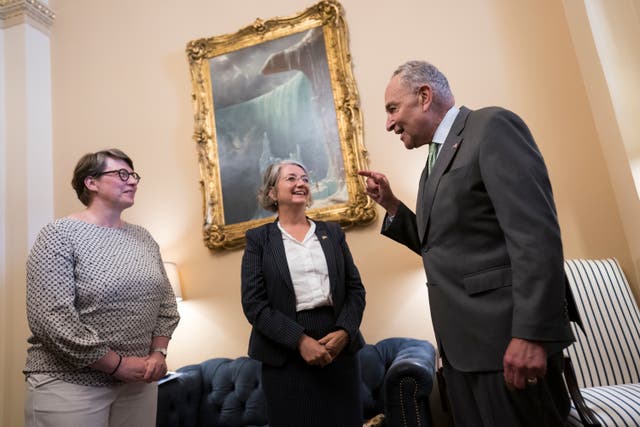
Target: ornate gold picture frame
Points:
(278, 89)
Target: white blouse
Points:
(308, 269)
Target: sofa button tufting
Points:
(209, 396)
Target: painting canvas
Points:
(269, 93)
(273, 102)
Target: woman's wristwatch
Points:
(161, 350)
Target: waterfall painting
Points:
(278, 89)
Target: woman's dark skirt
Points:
(300, 395)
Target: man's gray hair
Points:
(418, 73)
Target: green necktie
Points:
(431, 159)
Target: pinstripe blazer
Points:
(268, 297)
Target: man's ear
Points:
(425, 97)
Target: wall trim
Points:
(16, 12)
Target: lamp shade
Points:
(174, 279)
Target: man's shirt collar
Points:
(445, 125)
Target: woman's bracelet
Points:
(117, 366)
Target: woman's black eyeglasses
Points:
(123, 174)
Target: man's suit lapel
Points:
(276, 246)
(429, 182)
(421, 218)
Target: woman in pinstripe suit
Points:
(303, 296)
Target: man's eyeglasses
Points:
(123, 174)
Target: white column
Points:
(616, 33)
(26, 176)
(606, 37)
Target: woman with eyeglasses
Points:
(303, 296)
(100, 308)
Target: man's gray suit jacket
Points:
(487, 231)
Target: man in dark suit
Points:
(486, 228)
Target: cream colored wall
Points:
(606, 37)
(3, 206)
(120, 78)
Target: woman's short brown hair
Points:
(269, 180)
(91, 164)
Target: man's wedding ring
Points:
(532, 381)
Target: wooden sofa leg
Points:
(586, 415)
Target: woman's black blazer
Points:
(268, 297)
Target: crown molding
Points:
(35, 12)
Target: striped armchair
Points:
(604, 362)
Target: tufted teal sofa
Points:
(396, 373)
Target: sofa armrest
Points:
(586, 416)
(408, 384)
(179, 399)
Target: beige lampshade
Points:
(174, 278)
